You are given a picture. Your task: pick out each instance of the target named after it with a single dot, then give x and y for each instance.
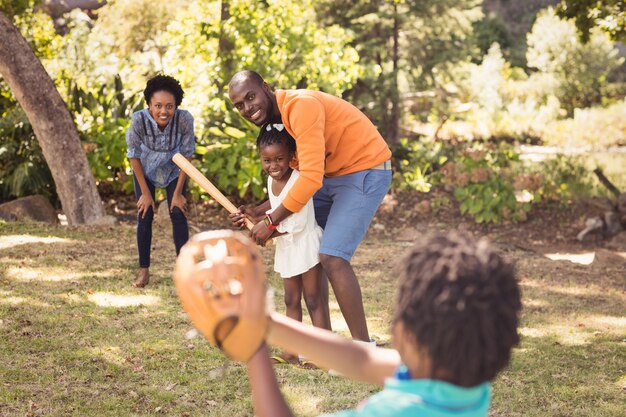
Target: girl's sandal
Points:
(305, 364)
(279, 360)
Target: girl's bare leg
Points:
(293, 305)
(316, 302)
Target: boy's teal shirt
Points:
(423, 398)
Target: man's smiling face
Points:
(252, 100)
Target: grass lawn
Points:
(77, 339)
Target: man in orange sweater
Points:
(344, 166)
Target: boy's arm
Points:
(267, 399)
(331, 351)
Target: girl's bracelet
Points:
(269, 223)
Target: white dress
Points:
(299, 249)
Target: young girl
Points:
(297, 237)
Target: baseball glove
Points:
(220, 280)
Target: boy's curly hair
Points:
(460, 300)
(272, 133)
(163, 83)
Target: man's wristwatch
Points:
(269, 223)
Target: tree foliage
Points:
(579, 69)
(608, 15)
(281, 40)
(203, 44)
(12, 8)
(23, 168)
(52, 125)
(405, 63)
(103, 117)
(404, 46)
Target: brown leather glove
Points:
(220, 280)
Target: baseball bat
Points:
(206, 185)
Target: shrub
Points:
(565, 178)
(418, 162)
(102, 118)
(232, 162)
(481, 180)
(23, 169)
(594, 128)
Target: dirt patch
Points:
(549, 231)
(549, 226)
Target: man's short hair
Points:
(460, 301)
(246, 75)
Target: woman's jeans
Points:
(180, 228)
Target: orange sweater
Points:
(333, 138)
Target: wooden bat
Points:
(206, 185)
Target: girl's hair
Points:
(164, 83)
(273, 133)
(460, 301)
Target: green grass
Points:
(77, 339)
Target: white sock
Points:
(371, 344)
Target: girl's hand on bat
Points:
(238, 218)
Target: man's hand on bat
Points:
(260, 233)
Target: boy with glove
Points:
(454, 326)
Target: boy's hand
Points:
(220, 280)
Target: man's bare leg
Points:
(348, 293)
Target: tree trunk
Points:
(48, 114)
(225, 47)
(56, 8)
(394, 122)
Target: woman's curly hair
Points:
(272, 133)
(164, 83)
(460, 301)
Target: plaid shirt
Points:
(155, 148)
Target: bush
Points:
(102, 119)
(565, 178)
(596, 127)
(23, 169)
(232, 162)
(489, 181)
(417, 163)
(481, 180)
(479, 176)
